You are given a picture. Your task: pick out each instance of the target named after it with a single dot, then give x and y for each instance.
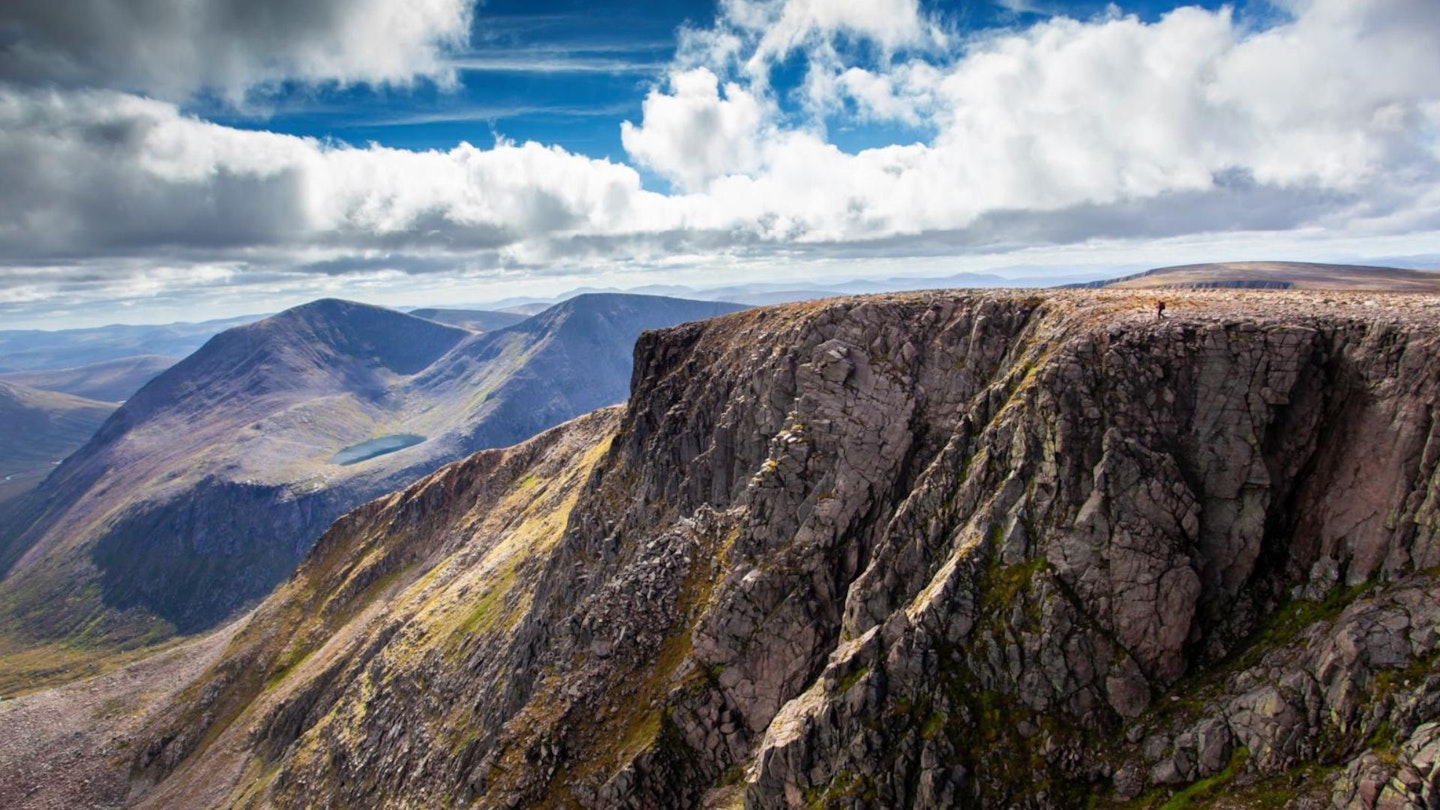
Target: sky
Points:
(166, 160)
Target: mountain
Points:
(207, 486)
(476, 320)
(40, 429)
(106, 381)
(32, 349)
(923, 550)
(1277, 276)
(567, 360)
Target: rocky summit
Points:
(905, 551)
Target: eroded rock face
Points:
(928, 550)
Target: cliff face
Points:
(906, 551)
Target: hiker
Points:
(1159, 310)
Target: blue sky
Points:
(567, 73)
(545, 72)
(160, 161)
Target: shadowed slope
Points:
(39, 429)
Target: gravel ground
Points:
(69, 747)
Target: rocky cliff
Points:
(925, 550)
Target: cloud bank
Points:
(1060, 132)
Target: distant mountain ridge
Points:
(207, 486)
(106, 381)
(476, 320)
(1275, 276)
(34, 349)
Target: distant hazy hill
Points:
(39, 429)
(106, 381)
(476, 320)
(1279, 275)
(209, 484)
(27, 349)
(768, 293)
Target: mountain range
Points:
(1040, 549)
(32, 349)
(203, 490)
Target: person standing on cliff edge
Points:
(1159, 310)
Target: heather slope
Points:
(925, 550)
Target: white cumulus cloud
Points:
(1331, 114)
(694, 134)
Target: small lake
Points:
(366, 450)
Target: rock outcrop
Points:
(923, 550)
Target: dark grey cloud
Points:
(101, 173)
(171, 48)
